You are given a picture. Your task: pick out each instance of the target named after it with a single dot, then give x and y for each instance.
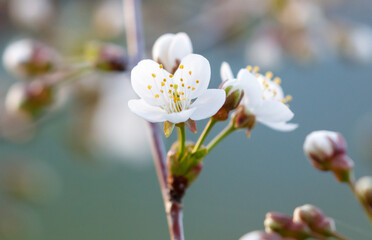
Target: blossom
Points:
(169, 49)
(363, 188)
(263, 97)
(168, 97)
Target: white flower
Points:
(323, 144)
(167, 97)
(169, 49)
(263, 97)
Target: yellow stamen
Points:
(277, 80)
(181, 79)
(288, 98)
(193, 89)
(269, 75)
(256, 69)
(164, 80)
(153, 75)
(181, 66)
(197, 81)
(161, 66)
(171, 76)
(190, 72)
(249, 68)
(149, 87)
(156, 95)
(162, 84)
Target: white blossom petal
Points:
(147, 111)
(251, 87)
(196, 71)
(179, 117)
(160, 50)
(146, 80)
(225, 71)
(273, 111)
(208, 104)
(179, 48)
(281, 126)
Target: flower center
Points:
(174, 92)
(271, 89)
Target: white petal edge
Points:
(208, 104)
(161, 48)
(225, 71)
(148, 112)
(179, 48)
(281, 126)
(273, 111)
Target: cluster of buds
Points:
(327, 152)
(307, 222)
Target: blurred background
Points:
(83, 169)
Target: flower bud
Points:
(261, 235)
(28, 58)
(169, 49)
(327, 152)
(285, 226)
(363, 188)
(29, 98)
(244, 119)
(106, 57)
(234, 95)
(314, 218)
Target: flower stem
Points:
(204, 134)
(338, 236)
(136, 51)
(224, 133)
(367, 210)
(181, 139)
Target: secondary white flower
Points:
(263, 97)
(169, 49)
(167, 97)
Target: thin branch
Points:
(136, 51)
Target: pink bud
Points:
(106, 57)
(314, 218)
(28, 58)
(30, 98)
(285, 226)
(327, 152)
(363, 188)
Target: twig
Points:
(136, 51)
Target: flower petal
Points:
(225, 71)
(179, 48)
(281, 126)
(252, 89)
(208, 104)
(147, 111)
(160, 50)
(193, 75)
(179, 117)
(146, 80)
(273, 111)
